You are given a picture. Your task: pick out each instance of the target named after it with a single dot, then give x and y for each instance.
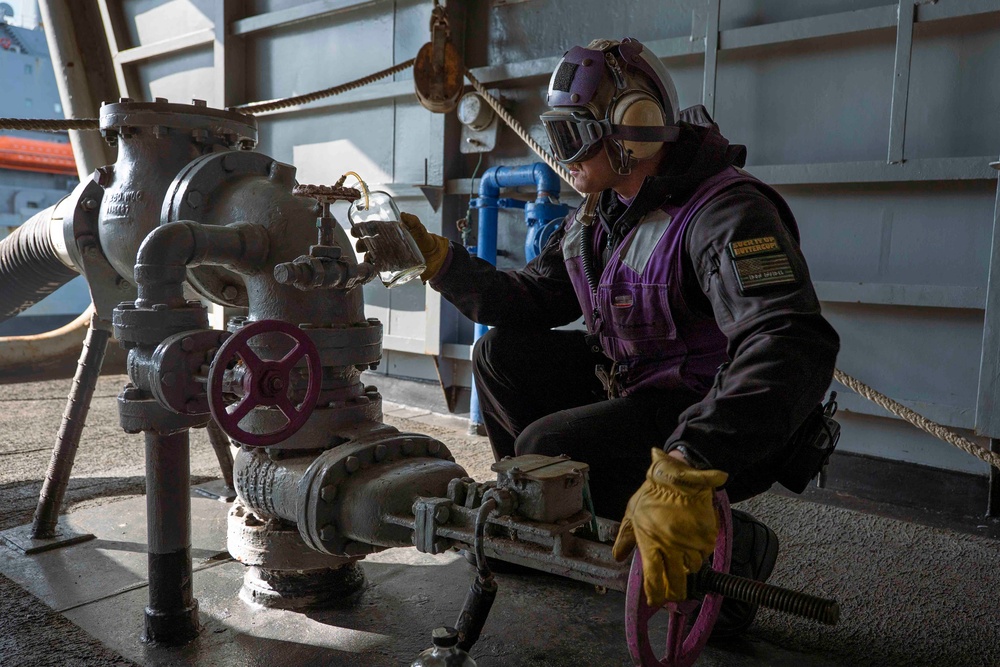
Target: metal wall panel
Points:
(954, 107)
(875, 136)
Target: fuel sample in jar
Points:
(376, 221)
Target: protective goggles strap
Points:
(644, 133)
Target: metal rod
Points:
(766, 595)
(172, 614)
(88, 369)
(711, 56)
(901, 81)
(221, 445)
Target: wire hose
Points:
(88, 369)
(587, 256)
(772, 597)
(482, 566)
(30, 268)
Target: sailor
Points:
(701, 321)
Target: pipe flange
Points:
(177, 362)
(138, 411)
(317, 515)
(203, 123)
(149, 326)
(272, 544)
(356, 345)
(189, 197)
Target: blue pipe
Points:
(538, 214)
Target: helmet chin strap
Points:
(625, 160)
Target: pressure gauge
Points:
(474, 113)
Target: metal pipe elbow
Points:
(166, 253)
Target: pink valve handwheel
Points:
(683, 645)
(265, 383)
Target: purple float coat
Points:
(639, 310)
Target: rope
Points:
(49, 125)
(54, 125)
(519, 130)
(273, 105)
(921, 422)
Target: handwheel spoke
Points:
(288, 362)
(286, 406)
(242, 409)
(250, 358)
(675, 635)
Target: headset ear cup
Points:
(638, 109)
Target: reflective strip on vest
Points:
(643, 242)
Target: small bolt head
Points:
(230, 292)
(123, 285)
(187, 343)
(159, 306)
(88, 204)
(328, 493)
(124, 100)
(328, 532)
(434, 447)
(194, 199)
(90, 251)
(126, 305)
(380, 452)
(441, 514)
(352, 463)
(407, 447)
(373, 366)
(199, 103)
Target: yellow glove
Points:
(434, 248)
(672, 520)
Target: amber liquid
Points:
(392, 250)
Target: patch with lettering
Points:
(750, 247)
(760, 262)
(622, 300)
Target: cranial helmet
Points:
(613, 93)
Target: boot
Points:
(755, 550)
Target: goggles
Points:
(575, 136)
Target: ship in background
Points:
(37, 169)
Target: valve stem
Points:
(766, 595)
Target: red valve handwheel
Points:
(684, 645)
(265, 382)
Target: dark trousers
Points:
(539, 395)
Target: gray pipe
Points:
(163, 258)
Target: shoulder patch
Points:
(760, 262)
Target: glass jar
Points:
(391, 249)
